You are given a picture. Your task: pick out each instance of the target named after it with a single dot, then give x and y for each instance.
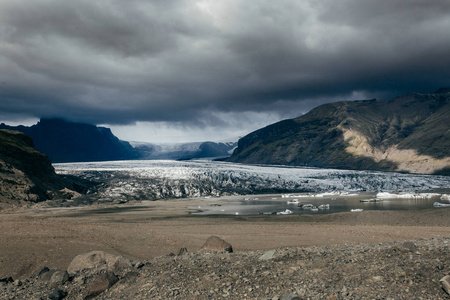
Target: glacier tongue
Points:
(158, 179)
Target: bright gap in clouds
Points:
(229, 128)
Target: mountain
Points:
(25, 173)
(410, 133)
(64, 141)
(184, 151)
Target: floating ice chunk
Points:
(438, 204)
(286, 212)
(445, 197)
(371, 200)
(293, 201)
(386, 195)
(306, 206)
(324, 206)
(356, 209)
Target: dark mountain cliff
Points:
(410, 133)
(25, 174)
(64, 141)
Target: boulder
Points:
(98, 260)
(214, 243)
(101, 283)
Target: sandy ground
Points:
(34, 237)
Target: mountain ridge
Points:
(64, 141)
(408, 133)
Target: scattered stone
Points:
(320, 272)
(214, 243)
(139, 265)
(46, 276)
(400, 273)
(182, 251)
(17, 282)
(268, 255)
(40, 271)
(377, 278)
(445, 281)
(57, 295)
(7, 280)
(101, 283)
(409, 246)
(58, 278)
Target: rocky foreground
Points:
(399, 270)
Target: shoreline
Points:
(36, 237)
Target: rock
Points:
(214, 243)
(119, 264)
(399, 273)
(98, 260)
(409, 246)
(7, 280)
(268, 255)
(139, 265)
(101, 283)
(17, 282)
(182, 251)
(47, 275)
(57, 295)
(40, 271)
(377, 278)
(445, 281)
(58, 278)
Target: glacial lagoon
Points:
(322, 204)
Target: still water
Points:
(272, 204)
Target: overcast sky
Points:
(182, 70)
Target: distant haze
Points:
(184, 70)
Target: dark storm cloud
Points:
(118, 62)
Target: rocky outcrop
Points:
(410, 133)
(25, 173)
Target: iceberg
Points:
(445, 197)
(294, 201)
(286, 212)
(438, 204)
(324, 206)
(387, 195)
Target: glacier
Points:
(164, 179)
